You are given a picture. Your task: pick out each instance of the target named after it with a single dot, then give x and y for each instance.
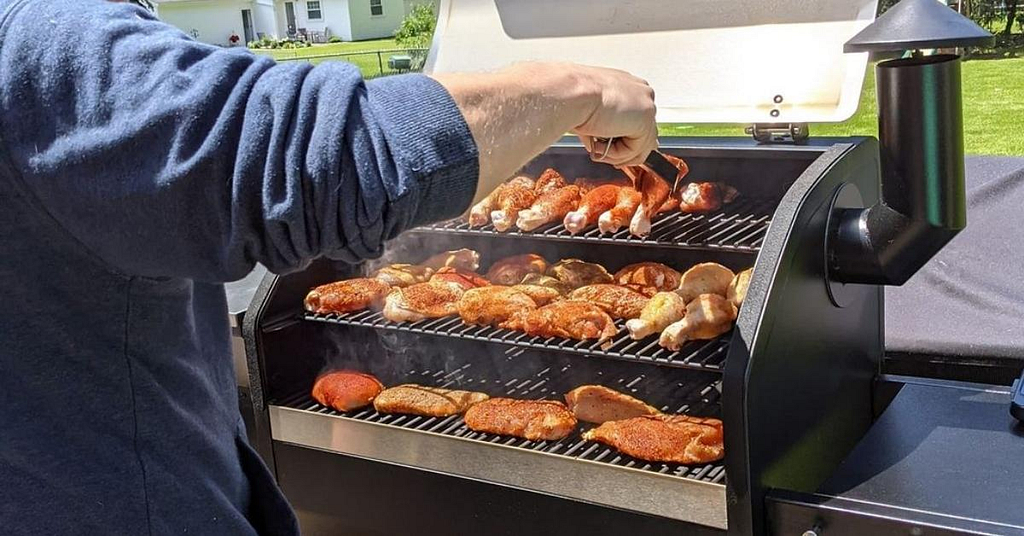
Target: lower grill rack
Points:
(693, 396)
(700, 355)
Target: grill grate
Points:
(701, 355)
(739, 226)
(693, 395)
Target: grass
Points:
(329, 48)
(993, 111)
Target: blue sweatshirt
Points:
(139, 170)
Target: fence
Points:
(373, 63)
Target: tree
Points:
(417, 30)
(1011, 16)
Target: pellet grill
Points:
(819, 440)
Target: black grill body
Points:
(792, 382)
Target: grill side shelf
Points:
(706, 355)
(740, 227)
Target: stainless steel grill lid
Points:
(710, 61)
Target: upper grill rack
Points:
(701, 355)
(739, 226)
(695, 396)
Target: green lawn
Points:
(330, 48)
(993, 111)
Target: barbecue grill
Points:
(798, 381)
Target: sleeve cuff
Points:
(433, 140)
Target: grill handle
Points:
(923, 202)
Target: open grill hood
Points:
(709, 61)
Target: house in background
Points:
(215, 21)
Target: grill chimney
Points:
(920, 133)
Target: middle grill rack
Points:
(700, 355)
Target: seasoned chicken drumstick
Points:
(550, 180)
(626, 202)
(594, 203)
(707, 317)
(705, 278)
(598, 404)
(655, 192)
(480, 214)
(511, 201)
(549, 207)
(662, 310)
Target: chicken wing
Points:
(664, 438)
(576, 273)
(463, 259)
(511, 270)
(737, 291)
(625, 206)
(705, 278)
(346, 296)
(649, 274)
(662, 310)
(596, 202)
(617, 301)
(433, 299)
(344, 390)
(549, 208)
(598, 404)
(707, 317)
(569, 318)
(427, 401)
(536, 420)
(462, 278)
(480, 214)
(403, 275)
(493, 305)
(511, 202)
(548, 181)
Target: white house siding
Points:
(365, 26)
(212, 21)
(335, 18)
(265, 18)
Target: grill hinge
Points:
(779, 132)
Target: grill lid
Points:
(709, 61)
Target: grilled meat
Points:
(434, 299)
(568, 318)
(549, 207)
(346, 296)
(511, 270)
(539, 294)
(463, 259)
(463, 278)
(511, 202)
(403, 275)
(664, 438)
(480, 214)
(598, 404)
(705, 278)
(577, 273)
(541, 280)
(548, 181)
(617, 301)
(493, 305)
(707, 317)
(654, 191)
(737, 291)
(428, 401)
(649, 274)
(345, 390)
(661, 310)
(706, 196)
(626, 203)
(536, 420)
(596, 202)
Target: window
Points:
(313, 11)
(376, 8)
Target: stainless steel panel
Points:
(607, 485)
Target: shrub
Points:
(335, 39)
(417, 29)
(271, 43)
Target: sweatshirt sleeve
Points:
(165, 157)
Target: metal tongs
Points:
(656, 162)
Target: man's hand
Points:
(517, 113)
